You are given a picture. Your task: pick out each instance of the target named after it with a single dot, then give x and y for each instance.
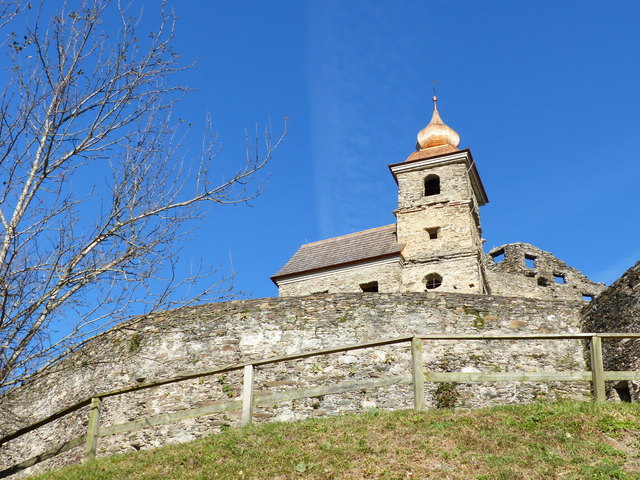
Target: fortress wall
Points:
(206, 337)
(617, 309)
(517, 285)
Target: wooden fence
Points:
(248, 400)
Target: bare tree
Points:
(8, 10)
(95, 194)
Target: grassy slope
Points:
(563, 440)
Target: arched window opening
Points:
(433, 280)
(431, 185)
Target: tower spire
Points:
(437, 133)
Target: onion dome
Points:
(437, 134)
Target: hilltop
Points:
(568, 440)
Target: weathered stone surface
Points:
(451, 216)
(522, 270)
(210, 336)
(617, 309)
(345, 279)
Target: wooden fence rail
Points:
(249, 398)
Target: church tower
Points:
(438, 220)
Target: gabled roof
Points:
(355, 247)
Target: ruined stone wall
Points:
(346, 279)
(210, 336)
(522, 270)
(617, 309)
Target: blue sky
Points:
(545, 94)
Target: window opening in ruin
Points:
(498, 256)
(433, 280)
(431, 185)
(320, 292)
(622, 389)
(369, 287)
(543, 282)
(530, 261)
(559, 278)
(587, 297)
(433, 232)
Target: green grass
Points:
(542, 441)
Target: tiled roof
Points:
(355, 247)
(431, 152)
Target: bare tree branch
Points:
(9, 9)
(78, 253)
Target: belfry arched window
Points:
(431, 185)
(433, 280)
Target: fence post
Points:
(417, 374)
(597, 370)
(247, 395)
(91, 445)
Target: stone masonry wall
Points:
(520, 269)
(617, 309)
(456, 231)
(345, 279)
(206, 337)
(459, 274)
(454, 185)
(453, 255)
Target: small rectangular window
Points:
(498, 256)
(433, 232)
(369, 287)
(530, 261)
(559, 278)
(587, 297)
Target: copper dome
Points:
(437, 134)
